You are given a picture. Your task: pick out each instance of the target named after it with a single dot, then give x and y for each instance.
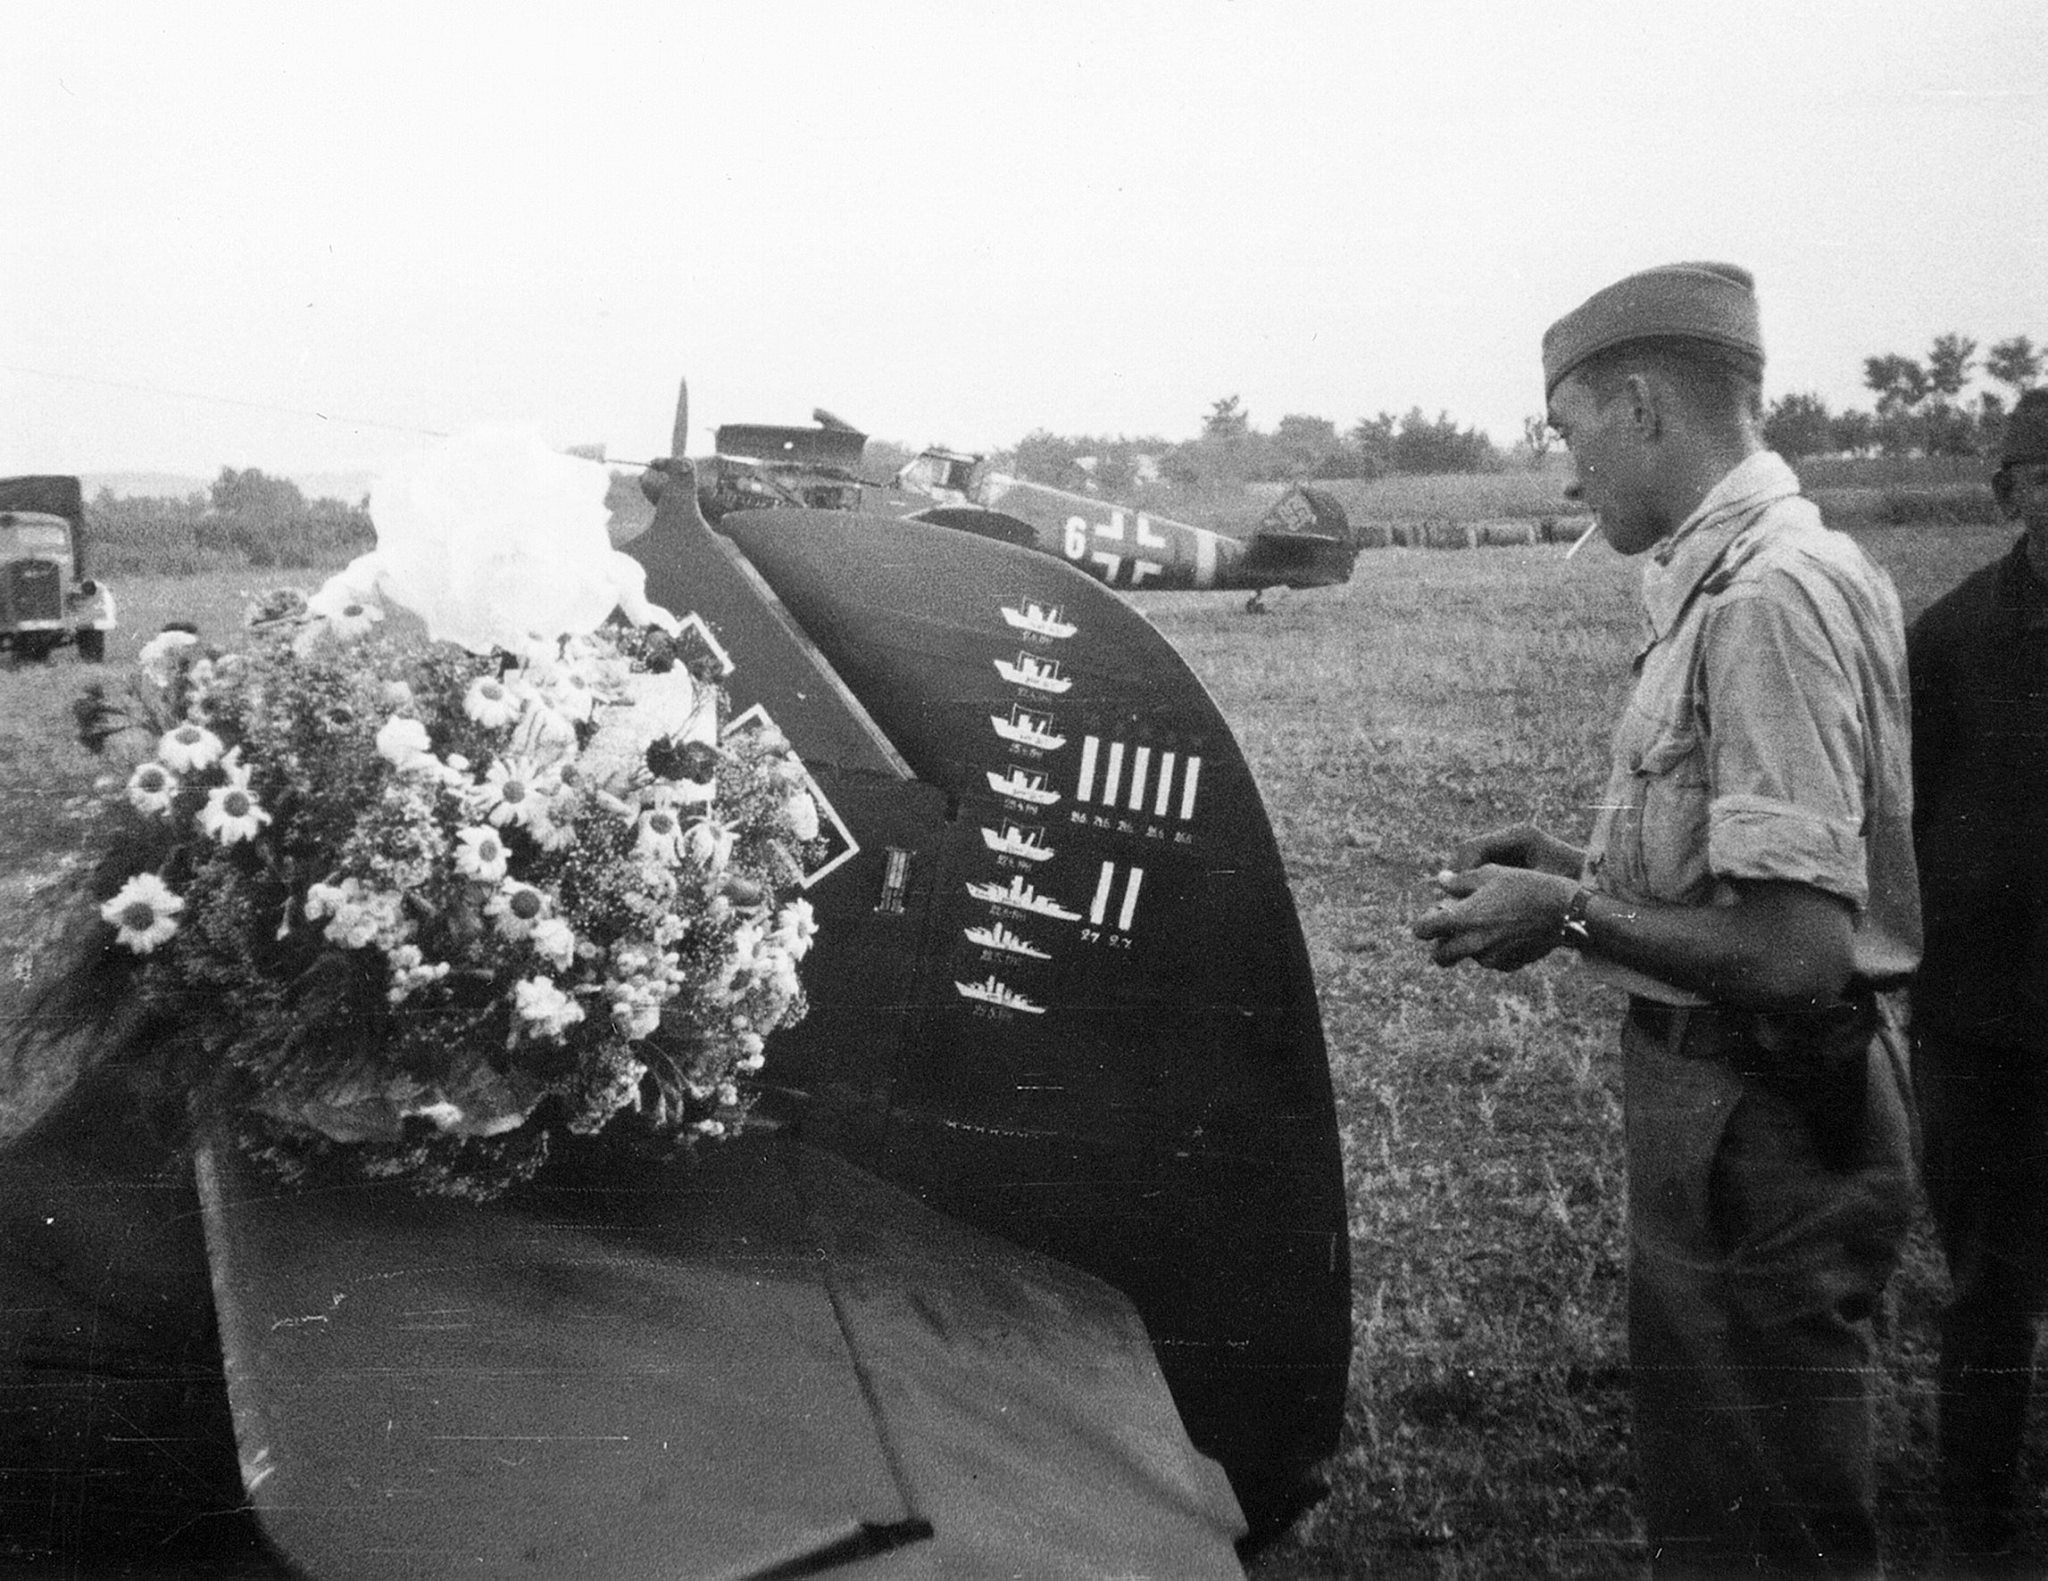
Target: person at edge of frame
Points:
(1978, 657)
(1750, 883)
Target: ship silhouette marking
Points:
(992, 992)
(997, 937)
(1024, 784)
(1025, 728)
(1040, 620)
(1017, 839)
(1041, 675)
(1023, 897)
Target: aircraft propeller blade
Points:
(679, 436)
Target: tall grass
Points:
(1435, 695)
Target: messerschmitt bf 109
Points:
(1303, 541)
(1038, 1262)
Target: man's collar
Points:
(1684, 558)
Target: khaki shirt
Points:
(1768, 735)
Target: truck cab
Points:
(46, 598)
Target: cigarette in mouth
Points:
(1580, 543)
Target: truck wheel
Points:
(92, 646)
(33, 647)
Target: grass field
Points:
(1436, 694)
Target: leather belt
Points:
(1668, 1024)
(1753, 1039)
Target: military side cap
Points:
(1713, 302)
(2026, 431)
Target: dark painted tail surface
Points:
(1059, 988)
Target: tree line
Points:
(1229, 450)
(1922, 407)
(245, 517)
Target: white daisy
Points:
(189, 747)
(481, 855)
(796, 925)
(659, 837)
(231, 814)
(347, 613)
(515, 908)
(144, 913)
(151, 789)
(492, 703)
(511, 792)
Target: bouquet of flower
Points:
(413, 905)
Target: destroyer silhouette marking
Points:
(991, 991)
(1023, 897)
(1041, 675)
(1026, 727)
(995, 936)
(1024, 784)
(1040, 620)
(1017, 839)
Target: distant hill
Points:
(348, 487)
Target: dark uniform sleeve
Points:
(1934, 719)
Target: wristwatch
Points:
(1574, 930)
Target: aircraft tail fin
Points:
(1305, 540)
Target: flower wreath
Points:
(413, 906)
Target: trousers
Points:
(1984, 1115)
(1770, 1173)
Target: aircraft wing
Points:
(770, 1364)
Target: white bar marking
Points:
(1123, 921)
(1165, 785)
(1100, 906)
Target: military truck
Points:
(46, 598)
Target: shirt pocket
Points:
(1667, 851)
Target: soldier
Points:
(1750, 884)
(1979, 662)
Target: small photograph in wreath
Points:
(448, 859)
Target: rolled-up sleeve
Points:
(1786, 750)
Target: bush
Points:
(1906, 505)
(159, 536)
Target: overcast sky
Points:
(292, 236)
